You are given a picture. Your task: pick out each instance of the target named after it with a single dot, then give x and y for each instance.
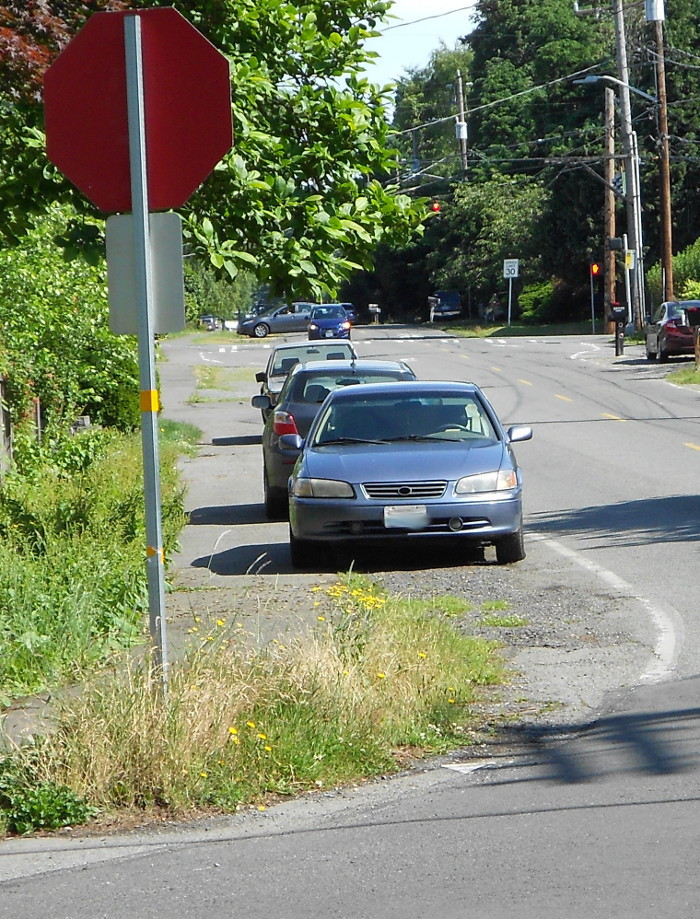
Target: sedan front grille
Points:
(407, 491)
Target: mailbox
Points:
(618, 313)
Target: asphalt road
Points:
(592, 816)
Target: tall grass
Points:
(238, 725)
(72, 569)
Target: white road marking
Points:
(668, 622)
(591, 348)
(208, 360)
(468, 768)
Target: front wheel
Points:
(276, 504)
(301, 551)
(261, 330)
(510, 548)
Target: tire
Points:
(301, 551)
(276, 502)
(261, 330)
(661, 356)
(510, 548)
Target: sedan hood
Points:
(404, 461)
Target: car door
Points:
(654, 328)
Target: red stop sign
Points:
(187, 105)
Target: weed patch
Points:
(378, 675)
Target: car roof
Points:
(411, 388)
(355, 365)
(296, 345)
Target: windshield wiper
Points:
(347, 440)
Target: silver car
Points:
(285, 356)
(297, 405)
(413, 459)
(281, 319)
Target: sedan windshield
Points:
(328, 312)
(390, 420)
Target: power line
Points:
(486, 105)
(402, 25)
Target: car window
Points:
(328, 312)
(315, 387)
(448, 418)
(660, 313)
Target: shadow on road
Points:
(629, 523)
(649, 742)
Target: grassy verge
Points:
(72, 570)
(379, 676)
(687, 376)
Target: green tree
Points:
(299, 200)
(56, 345)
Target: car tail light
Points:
(284, 423)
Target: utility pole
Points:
(610, 257)
(461, 125)
(655, 14)
(631, 167)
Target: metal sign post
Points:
(155, 555)
(511, 269)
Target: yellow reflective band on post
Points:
(151, 552)
(149, 400)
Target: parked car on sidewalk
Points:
(286, 355)
(329, 321)
(415, 460)
(669, 331)
(299, 401)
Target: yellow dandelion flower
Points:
(451, 701)
(268, 748)
(204, 775)
(321, 618)
(421, 654)
(261, 807)
(233, 730)
(316, 588)
(262, 736)
(250, 724)
(197, 618)
(382, 676)
(220, 621)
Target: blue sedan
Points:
(413, 459)
(329, 321)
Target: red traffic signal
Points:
(595, 269)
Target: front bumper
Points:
(338, 520)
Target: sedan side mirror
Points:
(518, 432)
(261, 376)
(261, 401)
(291, 444)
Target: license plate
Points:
(329, 333)
(406, 516)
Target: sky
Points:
(419, 28)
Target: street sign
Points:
(187, 101)
(166, 271)
(511, 267)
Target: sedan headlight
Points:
(322, 488)
(503, 480)
(313, 326)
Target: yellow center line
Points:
(563, 398)
(613, 417)
(692, 446)
(497, 369)
(526, 382)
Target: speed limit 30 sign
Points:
(510, 267)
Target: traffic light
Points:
(619, 184)
(595, 270)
